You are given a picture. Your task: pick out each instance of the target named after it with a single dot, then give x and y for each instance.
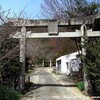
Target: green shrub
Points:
(80, 86)
(10, 71)
(8, 94)
(28, 85)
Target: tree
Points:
(9, 56)
(62, 9)
(92, 63)
(10, 72)
(61, 46)
(9, 52)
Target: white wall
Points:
(66, 63)
(63, 65)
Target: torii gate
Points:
(52, 33)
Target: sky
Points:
(31, 7)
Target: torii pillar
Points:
(43, 63)
(50, 63)
(87, 82)
(22, 57)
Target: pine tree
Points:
(92, 62)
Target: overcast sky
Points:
(32, 7)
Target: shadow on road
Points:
(36, 86)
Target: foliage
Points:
(91, 8)
(62, 9)
(80, 86)
(10, 65)
(92, 61)
(10, 71)
(8, 94)
(9, 48)
(28, 85)
(46, 64)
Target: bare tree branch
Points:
(62, 9)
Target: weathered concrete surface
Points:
(34, 77)
(44, 22)
(48, 88)
(65, 80)
(51, 89)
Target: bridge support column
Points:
(22, 57)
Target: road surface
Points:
(48, 88)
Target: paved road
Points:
(48, 88)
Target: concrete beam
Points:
(44, 22)
(61, 34)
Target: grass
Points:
(80, 85)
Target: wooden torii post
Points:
(52, 33)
